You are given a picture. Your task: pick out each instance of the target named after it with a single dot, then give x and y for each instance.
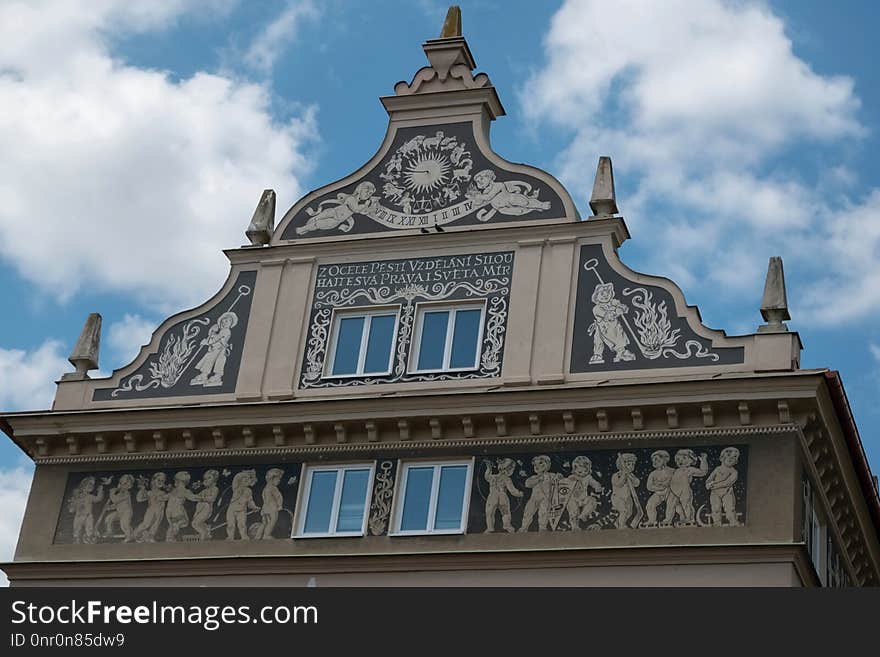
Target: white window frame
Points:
(367, 313)
(819, 543)
(452, 308)
(305, 494)
(400, 497)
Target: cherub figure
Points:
(681, 495)
(241, 503)
(212, 364)
(155, 497)
(544, 486)
(720, 484)
(119, 509)
(175, 511)
(513, 197)
(204, 500)
(272, 501)
(581, 505)
(624, 498)
(500, 484)
(81, 505)
(607, 329)
(658, 483)
(339, 212)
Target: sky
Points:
(137, 135)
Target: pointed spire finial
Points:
(84, 356)
(774, 302)
(259, 231)
(603, 201)
(452, 24)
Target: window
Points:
(433, 498)
(447, 337)
(335, 500)
(362, 342)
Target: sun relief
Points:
(431, 176)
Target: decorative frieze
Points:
(579, 489)
(191, 504)
(611, 489)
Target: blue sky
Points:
(137, 136)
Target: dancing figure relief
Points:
(177, 506)
(500, 485)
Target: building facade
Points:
(435, 371)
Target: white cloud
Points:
(875, 350)
(125, 338)
(27, 378)
(15, 483)
(698, 102)
(124, 179)
(269, 44)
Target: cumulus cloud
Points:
(269, 44)
(27, 378)
(700, 102)
(15, 483)
(126, 336)
(124, 179)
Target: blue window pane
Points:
(348, 345)
(352, 501)
(323, 486)
(379, 343)
(464, 341)
(416, 499)
(450, 497)
(433, 342)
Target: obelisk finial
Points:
(452, 24)
(774, 303)
(259, 231)
(603, 201)
(84, 356)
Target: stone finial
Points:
(262, 224)
(452, 24)
(603, 201)
(84, 356)
(774, 303)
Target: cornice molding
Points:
(529, 440)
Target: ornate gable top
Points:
(435, 168)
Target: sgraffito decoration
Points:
(623, 325)
(179, 504)
(610, 489)
(383, 491)
(198, 356)
(431, 176)
(404, 284)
